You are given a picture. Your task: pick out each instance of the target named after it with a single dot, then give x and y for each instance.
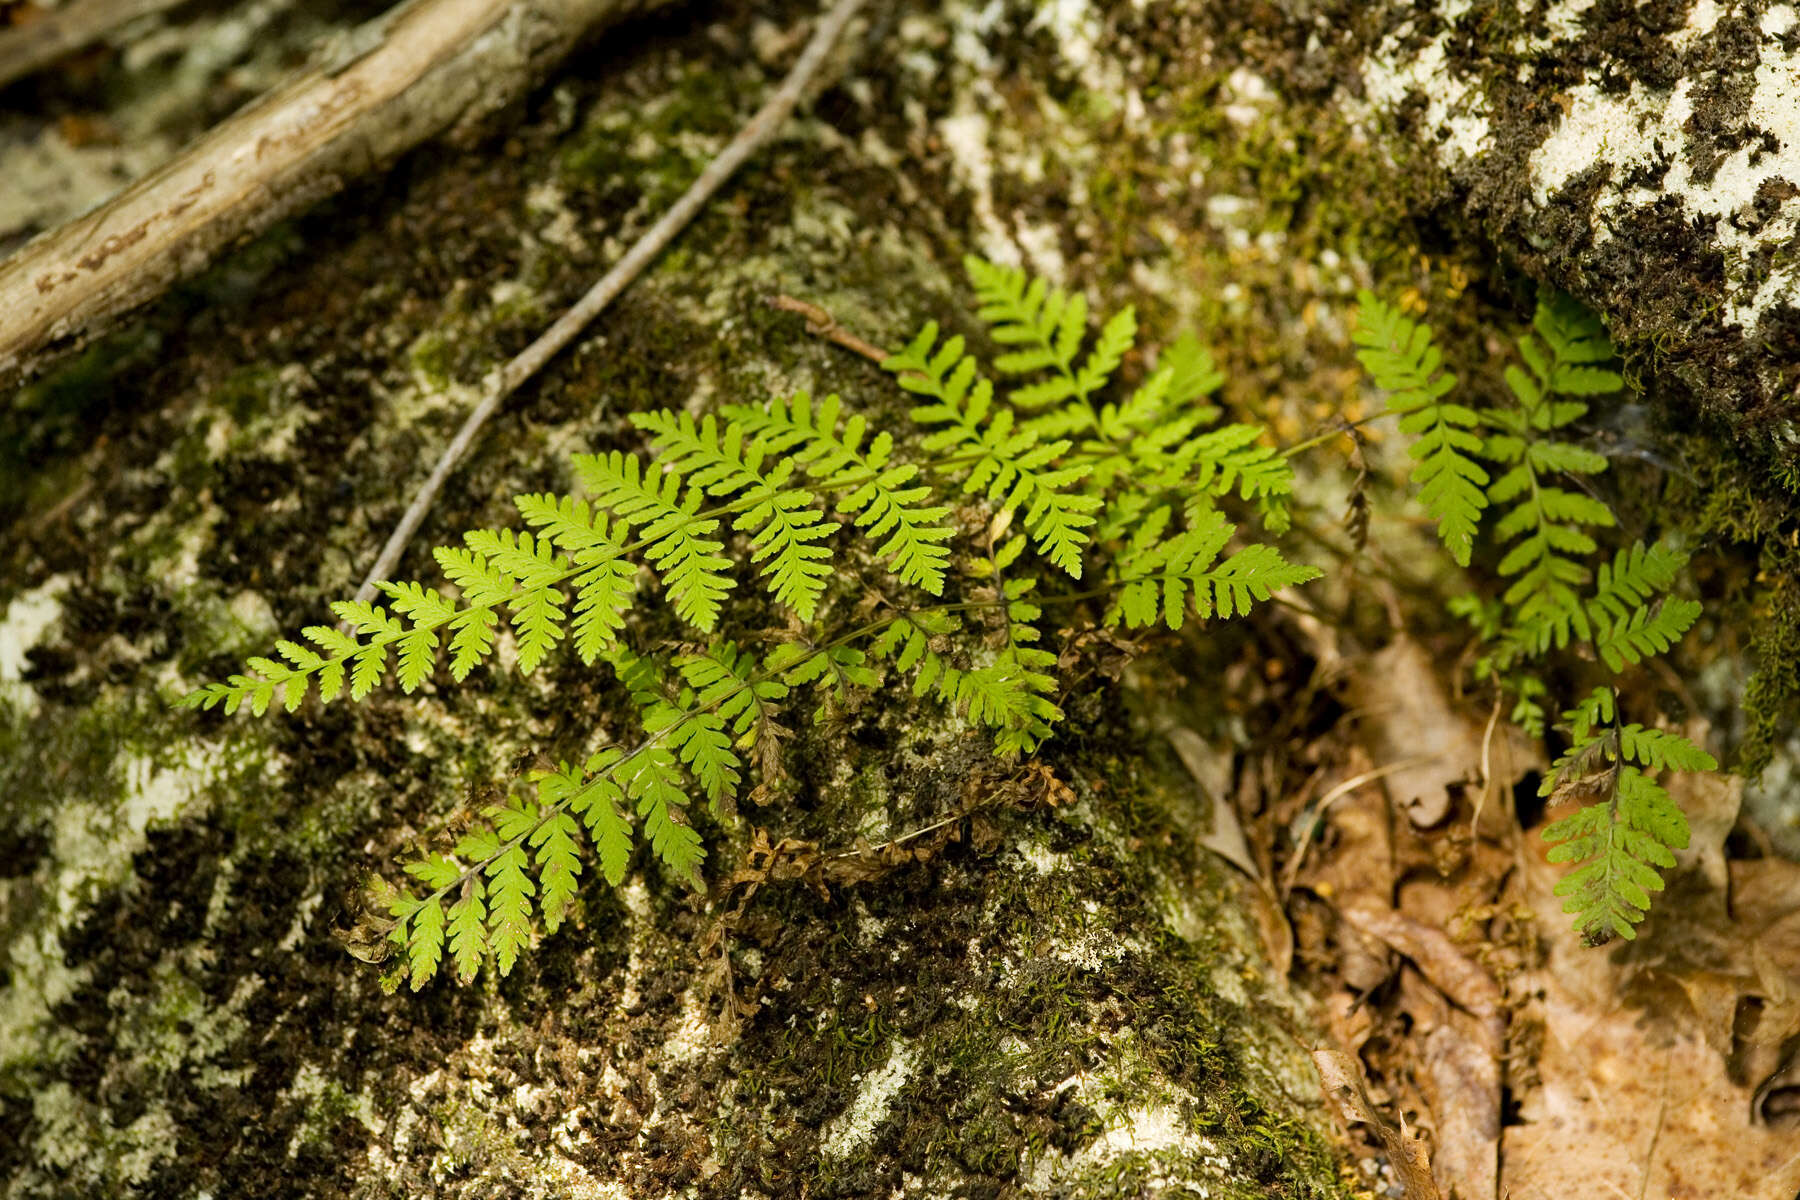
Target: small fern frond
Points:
(1646, 633)
(1162, 579)
(682, 544)
(783, 526)
(1549, 523)
(652, 779)
(1632, 830)
(1048, 323)
(1235, 457)
(1402, 360)
(1620, 843)
(881, 496)
(605, 585)
(1632, 617)
(1009, 465)
(1660, 750)
(1577, 340)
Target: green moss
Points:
(430, 357)
(45, 425)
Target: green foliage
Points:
(1125, 489)
(1623, 838)
(1402, 359)
(1558, 590)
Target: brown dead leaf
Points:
(1211, 769)
(1457, 1069)
(1449, 970)
(1344, 1082)
(1657, 1056)
(1629, 1107)
(1408, 713)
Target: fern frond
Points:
(605, 586)
(1620, 843)
(724, 681)
(1646, 633)
(1022, 311)
(593, 795)
(467, 925)
(420, 931)
(682, 545)
(1549, 522)
(1630, 622)
(1658, 750)
(652, 780)
(877, 493)
(783, 526)
(1009, 465)
(1163, 578)
(1401, 358)
(1234, 456)
(510, 888)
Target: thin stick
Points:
(501, 384)
(820, 323)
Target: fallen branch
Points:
(502, 383)
(425, 67)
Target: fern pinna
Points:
(1559, 590)
(1123, 489)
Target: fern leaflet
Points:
(1009, 465)
(879, 494)
(1401, 358)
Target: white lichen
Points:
(1455, 114)
(854, 1127)
(28, 618)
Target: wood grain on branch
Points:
(425, 67)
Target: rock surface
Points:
(1068, 1000)
(1644, 157)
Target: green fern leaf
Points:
(1629, 625)
(509, 913)
(782, 525)
(681, 542)
(468, 928)
(536, 604)
(1657, 750)
(424, 939)
(559, 864)
(596, 797)
(1646, 633)
(1026, 312)
(652, 779)
(1162, 579)
(878, 494)
(1619, 842)
(1399, 355)
(1008, 465)
(700, 740)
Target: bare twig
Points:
(820, 323)
(424, 67)
(502, 383)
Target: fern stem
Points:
(1342, 428)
